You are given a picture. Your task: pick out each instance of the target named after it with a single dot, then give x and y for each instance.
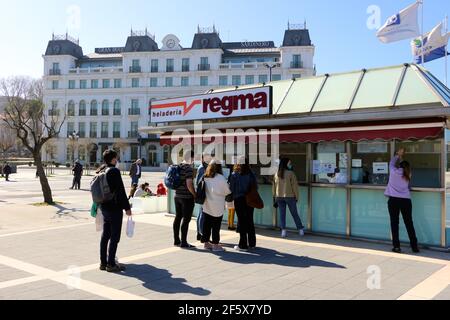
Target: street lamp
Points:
(74, 139)
(140, 145)
(270, 67)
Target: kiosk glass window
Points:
(296, 152)
(370, 162)
(425, 160)
(330, 163)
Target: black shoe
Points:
(397, 250)
(199, 237)
(177, 243)
(187, 246)
(415, 249)
(116, 268)
(232, 228)
(103, 267)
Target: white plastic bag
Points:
(99, 221)
(130, 227)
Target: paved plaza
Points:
(52, 253)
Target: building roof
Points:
(253, 51)
(296, 37)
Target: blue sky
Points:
(338, 28)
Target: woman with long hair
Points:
(216, 190)
(242, 179)
(398, 191)
(285, 191)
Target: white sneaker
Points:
(301, 233)
(284, 233)
(239, 249)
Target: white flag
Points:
(403, 25)
(432, 47)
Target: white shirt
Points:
(140, 193)
(216, 190)
(138, 169)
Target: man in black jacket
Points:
(136, 172)
(77, 174)
(113, 214)
(7, 171)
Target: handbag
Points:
(229, 198)
(200, 194)
(253, 198)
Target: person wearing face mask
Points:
(285, 192)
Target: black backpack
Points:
(200, 195)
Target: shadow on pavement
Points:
(68, 212)
(161, 280)
(270, 256)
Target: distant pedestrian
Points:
(7, 171)
(136, 172)
(184, 201)
(217, 189)
(161, 190)
(112, 213)
(200, 173)
(285, 191)
(398, 191)
(77, 170)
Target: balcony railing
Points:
(117, 113)
(54, 72)
(134, 112)
(93, 135)
(96, 70)
(135, 69)
(82, 134)
(247, 65)
(296, 65)
(133, 134)
(204, 67)
(154, 70)
(116, 135)
(104, 135)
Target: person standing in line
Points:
(7, 171)
(242, 179)
(398, 191)
(184, 201)
(217, 189)
(77, 174)
(136, 172)
(285, 192)
(112, 214)
(200, 173)
(231, 214)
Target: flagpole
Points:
(423, 30)
(446, 52)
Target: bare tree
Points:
(26, 115)
(7, 139)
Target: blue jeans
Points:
(292, 204)
(200, 221)
(134, 180)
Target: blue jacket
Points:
(200, 173)
(240, 185)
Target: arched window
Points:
(82, 110)
(105, 108)
(117, 107)
(71, 108)
(94, 108)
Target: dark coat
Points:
(77, 170)
(120, 201)
(134, 169)
(7, 169)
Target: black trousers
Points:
(184, 209)
(246, 225)
(211, 226)
(112, 230)
(7, 176)
(76, 184)
(397, 205)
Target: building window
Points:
(55, 84)
(82, 130)
(133, 129)
(105, 108)
(169, 82)
(262, 78)
(276, 77)
(93, 130)
(236, 80)
(71, 109)
(204, 64)
(135, 63)
(153, 82)
(223, 80)
(154, 66)
(55, 66)
(70, 128)
(330, 163)
(185, 65)
(134, 111)
(135, 83)
(117, 83)
(104, 132)
(185, 81)
(135, 66)
(134, 152)
(82, 108)
(169, 65)
(106, 84)
(94, 84)
(117, 107)
(83, 84)
(249, 79)
(71, 84)
(94, 110)
(82, 153)
(166, 154)
(368, 162)
(296, 61)
(53, 111)
(203, 81)
(116, 130)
